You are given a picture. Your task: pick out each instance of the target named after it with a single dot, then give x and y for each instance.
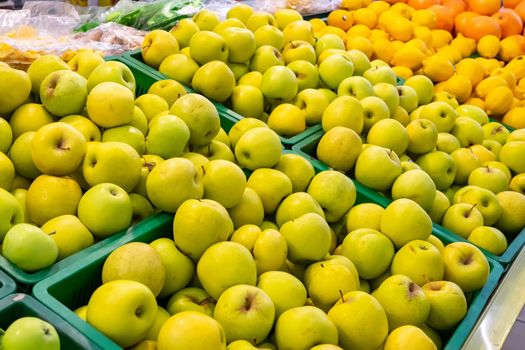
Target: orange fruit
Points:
(520, 10)
(510, 4)
(484, 7)
(515, 118)
(455, 6)
(509, 22)
(422, 4)
(480, 26)
(461, 20)
(341, 19)
(444, 17)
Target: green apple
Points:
(157, 45)
(105, 209)
(374, 110)
(380, 74)
(191, 299)
(222, 137)
(245, 312)
(355, 86)
(448, 304)
(20, 155)
(423, 136)
(389, 94)
(299, 30)
(388, 133)
(7, 172)
(183, 31)
(148, 162)
(250, 209)
(214, 80)
(179, 332)
(120, 265)
(311, 228)
(179, 67)
(51, 196)
(258, 19)
(488, 151)
(223, 265)
(58, 149)
(377, 168)
(126, 319)
(495, 131)
(467, 131)
(349, 314)
(492, 179)
(114, 162)
(13, 98)
(243, 125)
(409, 337)
(517, 183)
(285, 290)
(29, 248)
(306, 73)
(416, 185)
(239, 69)
(299, 50)
(466, 161)
(328, 283)
(216, 150)
(228, 23)
(485, 201)
(247, 235)
(447, 143)
(224, 182)
(241, 44)
(271, 185)
(179, 268)
(269, 250)
(126, 134)
(248, 101)
(446, 97)
(462, 218)
(439, 207)
(489, 238)
(329, 41)
(265, 57)
(284, 16)
(344, 111)
(206, 46)
(303, 327)
(200, 115)
(441, 114)
(334, 69)
(404, 220)
(30, 333)
(7, 133)
(170, 90)
(370, 251)
(206, 19)
(313, 102)
(474, 112)
(287, 120)
(87, 128)
(365, 215)
(419, 260)
(167, 137)
(112, 112)
(269, 35)
(516, 135)
(42, 67)
(64, 93)
(27, 117)
(328, 185)
(141, 208)
(279, 84)
(513, 208)
(510, 156)
(408, 98)
(188, 221)
(112, 71)
(296, 205)
(441, 168)
(330, 260)
(69, 234)
(423, 87)
(153, 333)
(259, 147)
(151, 105)
(466, 266)
(404, 301)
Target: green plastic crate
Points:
(7, 285)
(134, 58)
(16, 306)
(307, 148)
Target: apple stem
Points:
(342, 296)
(205, 301)
(470, 211)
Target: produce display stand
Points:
(72, 287)
(7, 285)
(307, 148)
(15, 306)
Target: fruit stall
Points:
(277, 175)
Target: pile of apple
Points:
(29, 333)
(73, 168)
(284, 259)
(265, 67)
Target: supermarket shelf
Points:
(502, 311)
